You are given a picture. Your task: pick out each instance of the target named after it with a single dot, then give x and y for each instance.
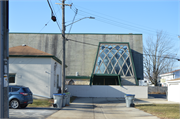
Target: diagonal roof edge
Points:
(27, 51)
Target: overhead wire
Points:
(100, 46)
(139, 26)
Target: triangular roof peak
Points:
(26, 50)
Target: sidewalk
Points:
(102, 108)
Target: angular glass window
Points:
(102, 55)
(106, 50)
(110, 55)
(102, 68)
(114, 58)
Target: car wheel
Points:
(23, 105)
(14, 104)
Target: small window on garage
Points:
(12, 78)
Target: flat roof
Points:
(80, 33)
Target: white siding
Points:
(34, 73)
(173, 92)
(54, 72)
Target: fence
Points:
(157, 90)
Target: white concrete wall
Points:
(173, 92)
(35, 73)
(107, 91)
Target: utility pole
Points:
(63, 43)
(1, 62)
(64, 40)
(4, 58)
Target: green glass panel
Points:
(121, 61)
(96, 69)
(127, 52)
(128, 73)
(124, 68)
(109, 68)
(113, 61)
(102, 47)
(106, 51)
(125, 56)
(99, 61)
(131, 70)
(106, 61)
(114, 51)
(110, 47)
(113, 72)
(121, 73)
(98, 72)
(117, 47)
(106, 72)
(100, 51)
(110, 55)
(102, 68)
(102, 55)
(121, 51)
(128, 62)
(117, 68)
(125, 47)
(117, 55)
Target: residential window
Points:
(11, 78)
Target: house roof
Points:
(26, 50)
(178, 79)
(171, 72)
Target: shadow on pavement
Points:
(153, 96)
(39, 108)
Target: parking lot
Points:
(30, 112)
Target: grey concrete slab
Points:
(100, 108)
(30, 112)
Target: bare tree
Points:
(158, 56)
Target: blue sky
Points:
(111, 16)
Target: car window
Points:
(10, 89)
(26, 90)
(15, 89)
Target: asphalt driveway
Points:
(33, 113)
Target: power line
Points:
(139, 26)
(100, 46)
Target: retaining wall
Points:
(107, 91)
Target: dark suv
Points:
(19, 96)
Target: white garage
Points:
(173, 90)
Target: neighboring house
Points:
(147, 82)
(169, 76)
(144, 82)
(173, 90)
(38, 70)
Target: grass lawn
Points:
(41, 103)
(163, 111)
(45, 102)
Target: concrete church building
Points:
(92, 59)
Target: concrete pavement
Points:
(102, 108)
